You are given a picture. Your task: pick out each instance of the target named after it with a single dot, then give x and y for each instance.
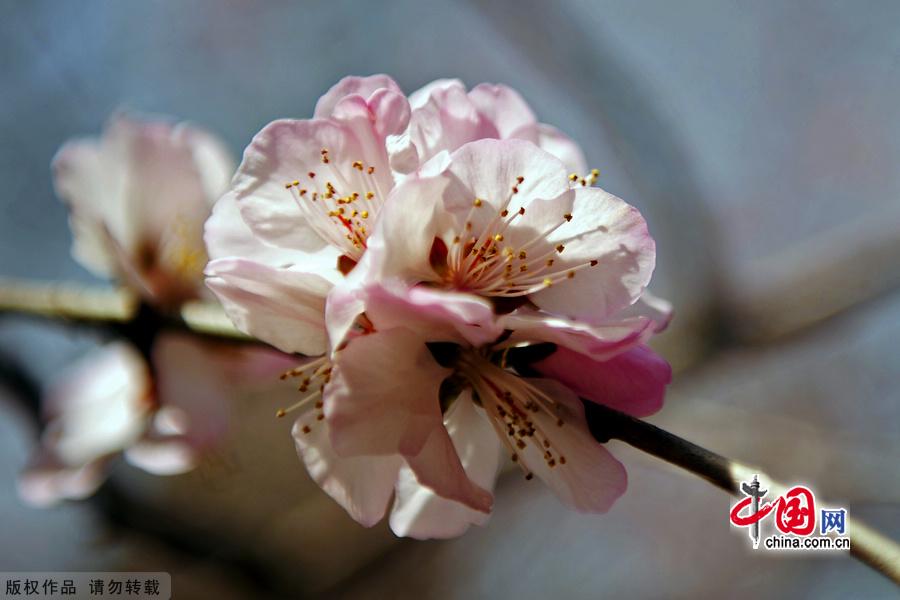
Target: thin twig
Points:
(98, 305)
(867, 545)
(67, 301)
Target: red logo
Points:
(795, 512)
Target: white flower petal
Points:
(418, 511)
(383, 395)
(490, 169)
(162, 457)
(99, 407)
(48, 482)
(350, 85)
(590, 480)
(599, 341)
(282, 307)
(91, 185)
(362, 485)
(605, 229)
(562, 147)
(438, 467)
(506, 110)
(227, 235)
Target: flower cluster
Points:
(457, 283)
(138, 198)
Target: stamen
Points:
(324, 209)
(316, 373)
(510, 403)
(478, 262)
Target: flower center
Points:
(502, 256)
(516, 409)
(183, 249)
(337, 202)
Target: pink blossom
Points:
(138, 197)
(379, 228)
(108, 403)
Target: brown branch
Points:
(102, 306)
(867, 545)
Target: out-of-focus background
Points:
(762, 142)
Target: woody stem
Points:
(867, 545)
(99, 306)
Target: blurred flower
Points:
(138, 197)
(109, 402)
